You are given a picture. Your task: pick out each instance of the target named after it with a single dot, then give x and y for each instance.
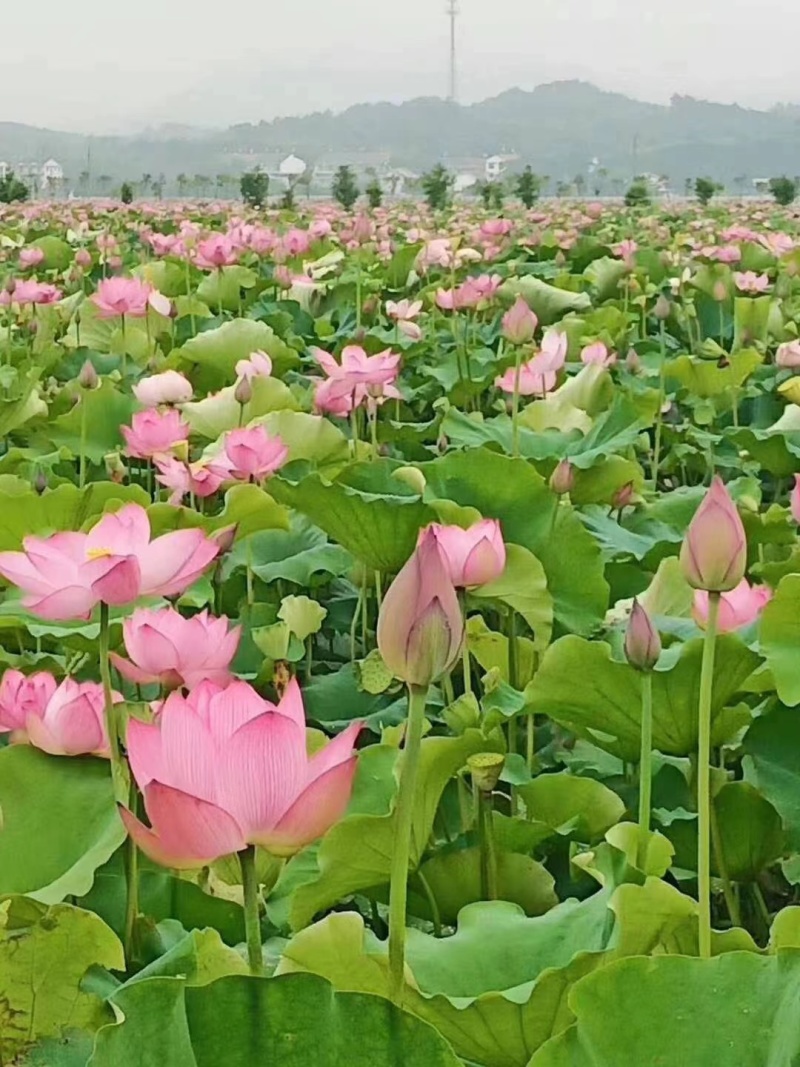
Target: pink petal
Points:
(189, 753)
(291, 705)
(74, 602)
(131, 671)
(172, 562)
(322, 804)
(262, 770)
(232, 709)
(143, 743)
(121, 584)
(335, 752)
(124, 533)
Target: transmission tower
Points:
(452, 11)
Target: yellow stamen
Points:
(99, 553)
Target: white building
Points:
(4, 171)
(52, 174)
(292, 167)
(464, 181)
(496, 166)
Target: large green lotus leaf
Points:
(44, 954)
(105, 410)
(294, 1020)
(89, 330)
(523, 587)
(751, 318)
(165, 275)
(548, 302)
(222, 289)
(58, 255)
(581, 807)
(27, 405)
(772, 764)
(454, 879)
(739, 1008)
(309, 437)
(373, 515)
(750, 833)
(217, 351)
(598, 484)
(337, 699)
(604, 276)
(584, 689)
(59, 823)
(300, 555)
(513, 492)
(705, 378)
(221, 411)
(495, 1029)
(780, 638)
(775, 452)
(400, 266)
(356, 853)
(201, 957)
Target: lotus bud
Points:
(225, 537)
(243, 393)
(83, 259)
(87, 378)
(486, 768)
(662, 308)
(519, 323)
(794, 499)
(719, 291)
(642, 643)
(633, 361)
(623, 497)
(40, 482)
(115, 468)
(420, 625)
(562, 480)
(714, 551)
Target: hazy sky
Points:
(93, 66)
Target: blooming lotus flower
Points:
(221, 769)
(436, 253)
(72, 721)
(475, 556)
(598, 354)
(420, 625)
(154, 433)
(215, 252)
(642, 641)
(403, 310)
(749, 282)
(496, 227)
(30, 257)
(252, 454)
(538, 376)
(257, 365)
(30, 292)
(355, 379)
(626, 250)
(199, 479)
(163, 244)
(167, 648)
(169, 387)
(519, 323)
(21, 696)
(788, 355)
(83, 259)
(714, 551)
(64, 576)
(737, 607)
(779, 244)
(122, 296)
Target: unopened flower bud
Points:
(714, 551)
(40, 482)
(622, 497)
(225, 537)
(633, 361)
(662, 308)
(562, 480)
(642, 642)
(115, 468)
(519, 323)
(87, 378)
(719, 292)
(243, 393)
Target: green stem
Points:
(704, 777)
(659, 416)
(465, 663)
(515, 405)
(530, 748)
(132, 882)
(404, 811)
(82, 458)
(483, 808)
(645, 770)
(354, 431)
(731, 902)
(373, 425)
(358, 293)
(249, 574)
(252, 922)
(436, 916)
(124, 347)
(108, 707)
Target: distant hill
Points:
(558, 128)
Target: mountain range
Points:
(558, 128)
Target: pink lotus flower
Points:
(538, 376)
(738, 607)
(436, 253)
(167, 648)
(122, 296)
(519, 323)
(750, 282)
(403, 310)
(475, 556)
(496, 227)
(598, 354)
(154, 433)
(169, 387)
(788, 355)
(215, 252)
(83, 259)
(30, 292)
(163, 244)
(724, 254)
(64, 576)
(420, 625)
(252, 454)
(222, 768)
(72, 722)
(794, 500)
(257, 365)
(355, 379)
(642, 640)
(30, 257)
(627, 250)
(21, 696)
(198, 479)
(779, 244)
(714, 551)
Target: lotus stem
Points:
(404, 812)
(110, 716)
(515, 404)
(704, 778)
(252, 921)
(483, 809)
(662, 359)
(82, 457)
(645, 770)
